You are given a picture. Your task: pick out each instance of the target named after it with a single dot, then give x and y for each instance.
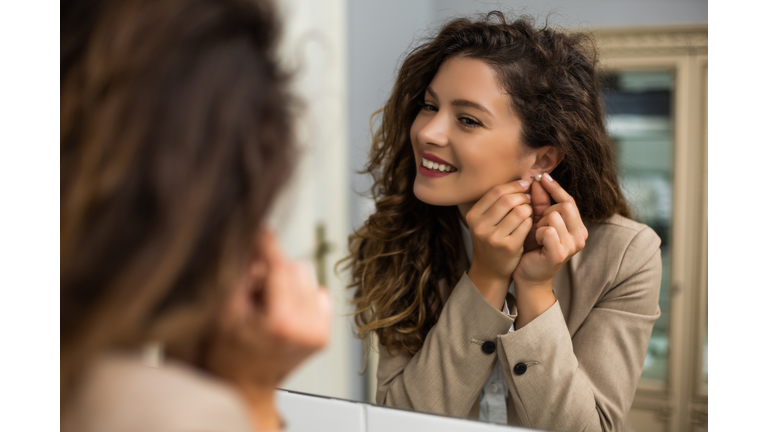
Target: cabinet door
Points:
(655, 98)
(640, 123)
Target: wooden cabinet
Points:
(656, 103)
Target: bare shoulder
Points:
(121, 393)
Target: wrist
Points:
(492, 287)
(532, 299)
(527, 286)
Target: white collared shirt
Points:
(495, 391)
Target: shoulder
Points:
(622, 229)
(121, 393)
(619, 247)
(620, 237)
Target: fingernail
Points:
(549, 177)
(529, 196)
(523, 183)
(538, 177)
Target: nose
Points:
(435, 131)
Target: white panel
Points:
(314, 49)
(315, 414)
(587, 13)
(380, 419)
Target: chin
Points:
(432, 197)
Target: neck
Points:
(463, 209)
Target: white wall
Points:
(587, 13)
(379, 33)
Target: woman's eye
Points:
(469, 122)
(427, 106)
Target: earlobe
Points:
(547, 159)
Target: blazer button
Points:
(520, 368)
(489, 347)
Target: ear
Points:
(547, 159)
(247, 296)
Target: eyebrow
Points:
(462, 103)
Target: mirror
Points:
(346, 56)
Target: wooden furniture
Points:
(637, 65)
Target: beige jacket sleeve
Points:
(578, 379)
(446, 375)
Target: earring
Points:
(538, 177)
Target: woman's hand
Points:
(498, 224)
(274, 320)
(560, 234)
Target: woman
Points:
(500, 270)
(175, 139)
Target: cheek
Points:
(489, 169)
(415, 128)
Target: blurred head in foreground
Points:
(175, 139)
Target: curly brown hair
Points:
(176, 135)
(406, 247)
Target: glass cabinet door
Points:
(654, 87)
(640, 124)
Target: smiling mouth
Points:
(437, 167)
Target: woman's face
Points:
(468, 126)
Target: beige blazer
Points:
(573, 368)
(121, 394)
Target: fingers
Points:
(314, 331)
(548, 238)
(269, 247)
(519, 235)
(540, 200)
(569, 213)
(555, 220)
(308, 275)
(501, 208)
(566, 206)
(493, 195)
(324, 304)
(554, 189)
(512, 221)
(298, 307)
(569, 243)
(530, 241)
(555, 239)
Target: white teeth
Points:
(434, 166)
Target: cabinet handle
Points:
(322, 248)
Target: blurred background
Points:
(345, 54)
